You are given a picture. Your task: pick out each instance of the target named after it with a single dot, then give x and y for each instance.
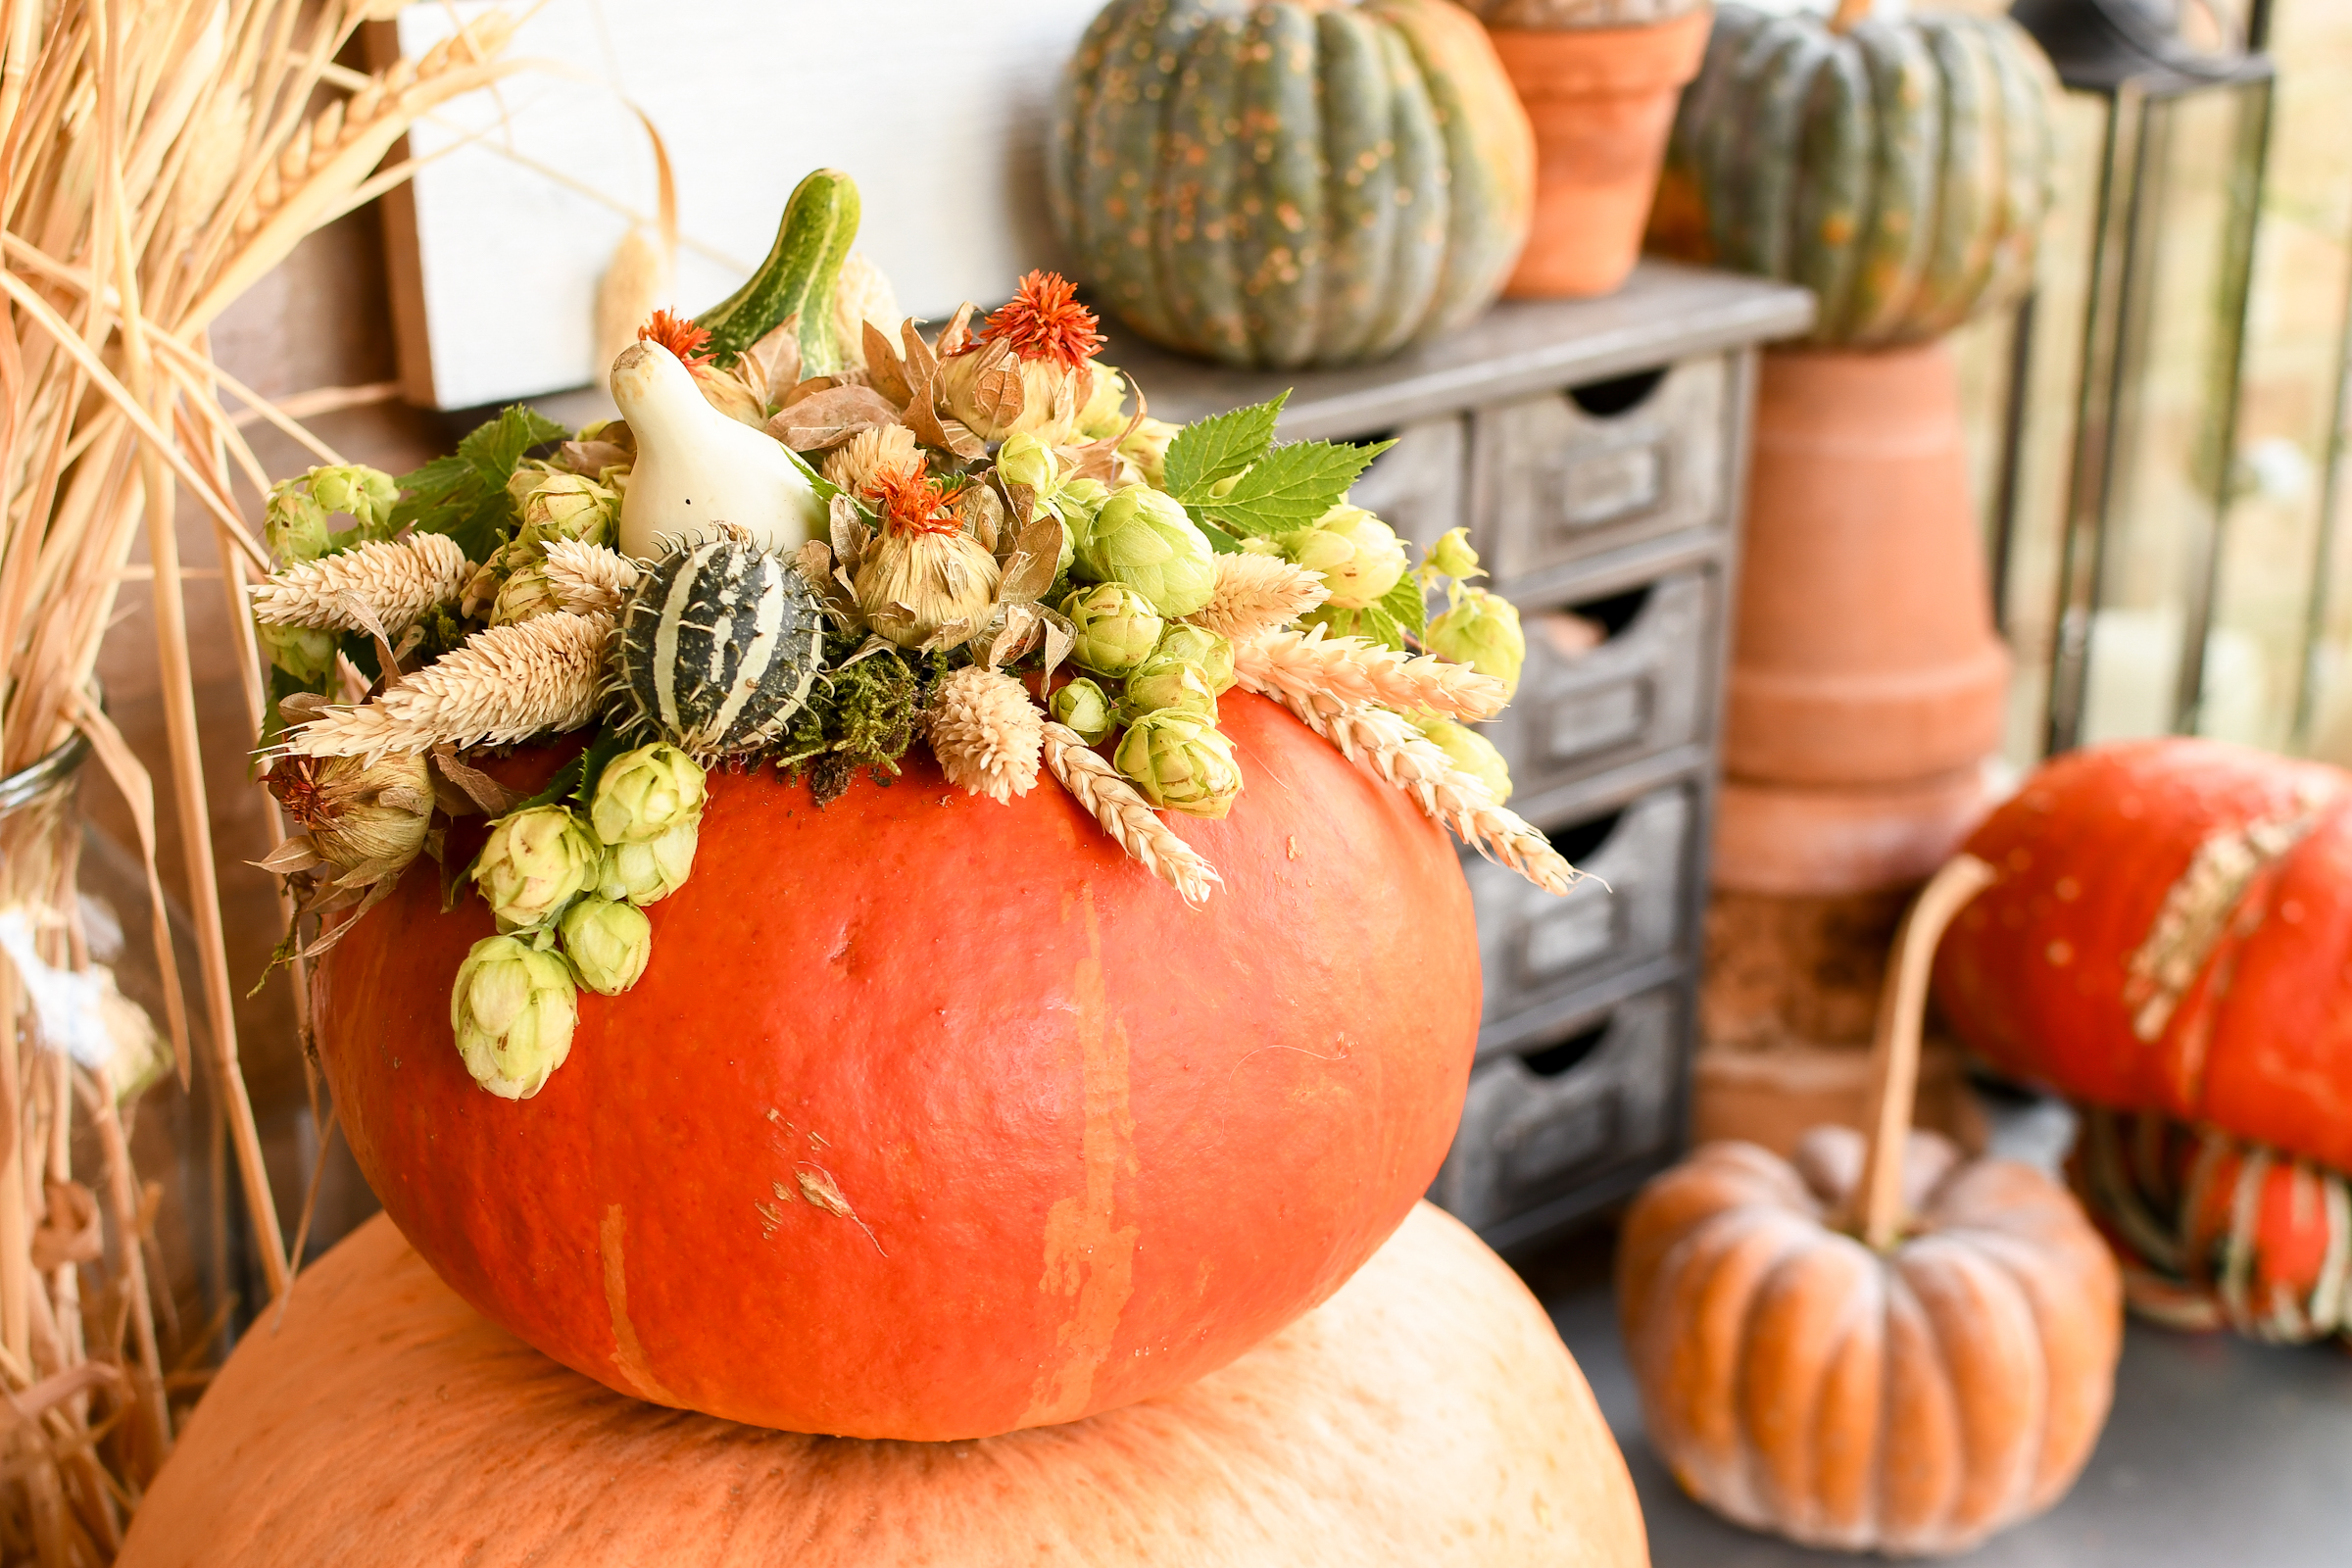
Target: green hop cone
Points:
(363, 494)
(1180, 762)
(1147, 447)
(648, 872)
(1359, 556)
(570, 506)
(643, 793)
(1198, 645)
(513, 1007)
(1106, 412)
(1082, 706)
(295, 526)
(1144, 539)
(1025, 460)
(536, 862)
(1078, 503)
(1452, 557)
(525, 594)
(305, 653)
(1116, 627)
(1165, 684)
(1471, 752)
(608, 943)
(1483, 632)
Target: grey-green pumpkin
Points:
(718, 645)
(1287, 183)
(1898, 170)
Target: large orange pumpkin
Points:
(1880, 1346)
(2172, 933)
(1426, 1415)
(934, 1117)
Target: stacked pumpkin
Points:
(1900, 169)
(909, 1102)
(2169, 943)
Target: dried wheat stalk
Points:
(1255, 594)
(1126, 815)
(503, 685)
(1351, 670)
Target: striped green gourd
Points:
(812, 240)
(1300, 182)
(717, 647)
(1898, 170)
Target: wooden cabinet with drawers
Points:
(1596, 451)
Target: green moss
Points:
(860, 715)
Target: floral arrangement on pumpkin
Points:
(968, 542)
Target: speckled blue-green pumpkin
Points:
(1901, 171)
(1301, 183)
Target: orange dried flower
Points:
(679, 335)
(1043, 322)
(912, 501)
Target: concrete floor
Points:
(2219, 1452)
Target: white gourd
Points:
(696, 468)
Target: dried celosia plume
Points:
(1348, 671)
(1256, 594)
(384, 585)
(986, 733)
(588, 579)
(507, 684)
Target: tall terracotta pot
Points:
(1602, 101)
(1867, 682)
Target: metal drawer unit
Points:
(1596, 451)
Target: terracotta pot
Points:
(1865, 651)
(1602, 100)
(1771, 1097)
(1825, 839)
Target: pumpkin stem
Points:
(1851, 15)
(1894, 1047)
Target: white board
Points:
(938, 108)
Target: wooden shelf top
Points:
(1666, 311)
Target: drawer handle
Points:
(1610, 486)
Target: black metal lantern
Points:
(2163, 341)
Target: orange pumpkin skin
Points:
(934, 1117)
(1911, 1403)
(2078, 969)
(1427, 1414)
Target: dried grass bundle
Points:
(156, 159)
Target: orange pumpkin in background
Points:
(1881, 1347)
(1427, 1414)
(935, 1117)
(2171, 933)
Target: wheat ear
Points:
(503, 685)
(1127, 816)
(1387, 747)
(1255, 594)
(589, 579)
(1350, 671)
(380, 586)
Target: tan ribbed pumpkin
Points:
(1910, 1384)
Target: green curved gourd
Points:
(1900, 169)
(1289, 184)
(812, 240)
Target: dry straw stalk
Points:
(156, 159)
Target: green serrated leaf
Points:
(495, 448)
(1223, 543)
(1220, 446)
(609, 743)
(1404, 605)
(1292, 486)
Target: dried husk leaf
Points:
(884, 369)
(827, 418)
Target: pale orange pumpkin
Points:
(1880, 1346)
(1426, 1414)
